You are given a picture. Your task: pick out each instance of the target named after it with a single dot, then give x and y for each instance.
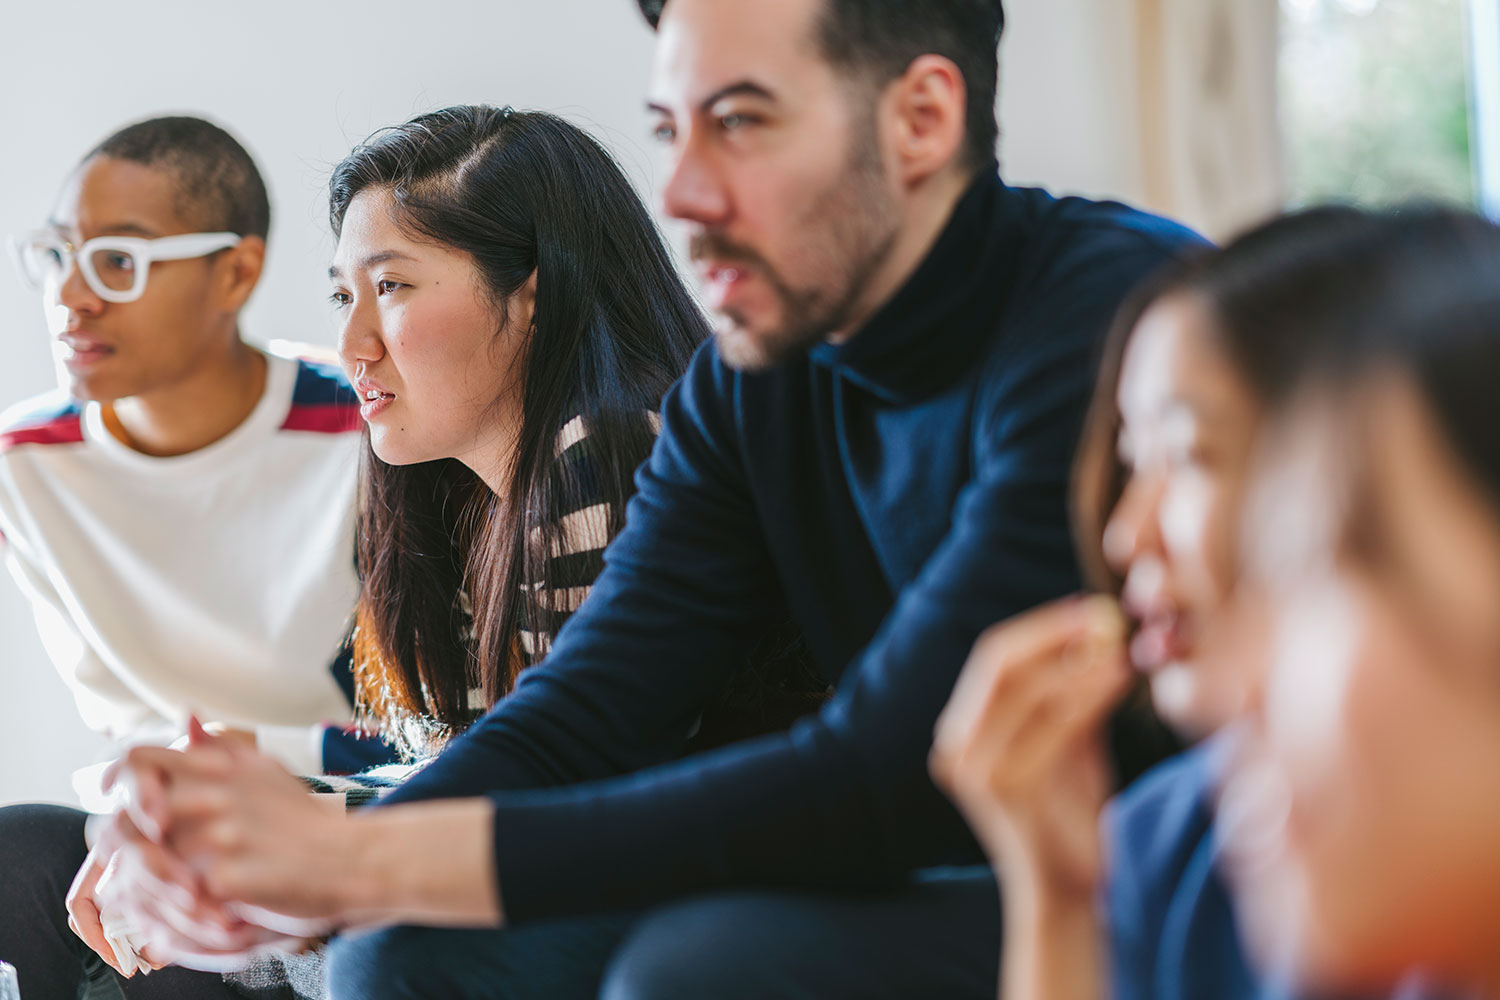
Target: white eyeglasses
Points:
(114, 267)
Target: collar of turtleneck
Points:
(933, 327)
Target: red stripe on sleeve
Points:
(62, 430)
(322, 418)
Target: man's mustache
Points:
(712, 246)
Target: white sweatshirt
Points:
(219, 582)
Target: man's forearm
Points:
(426, 863)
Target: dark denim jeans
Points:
(937, 938)
(41, 849)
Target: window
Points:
(1379, 103)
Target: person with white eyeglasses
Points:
(179, 514)
(113, 267)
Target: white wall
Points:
(300, 82)
(1068, 119)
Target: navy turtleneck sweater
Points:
(898, 493)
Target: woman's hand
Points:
(1020, 749)
(83, 910)
(1020, 746)
(245, 829)
(225, 826)
(167, 907)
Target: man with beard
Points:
(877, 439)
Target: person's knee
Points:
(41, 849)
(532, 962)
(682, 952)
(378, 965)
(32, 832)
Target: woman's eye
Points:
(339, 299)
(387, 286)
(664, 133)
(731, 122)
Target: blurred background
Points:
(1215, 111)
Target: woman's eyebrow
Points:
(365, 263)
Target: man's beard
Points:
(851, 228)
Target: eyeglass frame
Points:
(182, 246)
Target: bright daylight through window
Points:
(1388, 100)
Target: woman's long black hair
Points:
(613, 327)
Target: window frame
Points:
(1484, 41)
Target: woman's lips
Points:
(373, 397)
(375, 404)
(1160, 639)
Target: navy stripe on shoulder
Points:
(322, 384)
(38, 410)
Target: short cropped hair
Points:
(220, 188)
(881, 38)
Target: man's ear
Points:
(242, 268)
(927, 110)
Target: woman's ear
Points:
(524, 301)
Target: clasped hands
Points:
(217, 855)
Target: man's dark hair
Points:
(881, 38)
(219, 187)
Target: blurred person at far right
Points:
(1203, 365)
(1362, 810)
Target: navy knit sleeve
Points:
(842, 799)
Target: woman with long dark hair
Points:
(514, 337)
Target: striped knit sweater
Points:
(576, 559)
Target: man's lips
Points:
(81, 348)
(720, 280)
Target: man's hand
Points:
(245, 737)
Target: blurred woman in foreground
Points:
(1208, 357)
(1362, 809)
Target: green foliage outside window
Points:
(1375, 101)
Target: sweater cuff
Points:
(299, 749)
